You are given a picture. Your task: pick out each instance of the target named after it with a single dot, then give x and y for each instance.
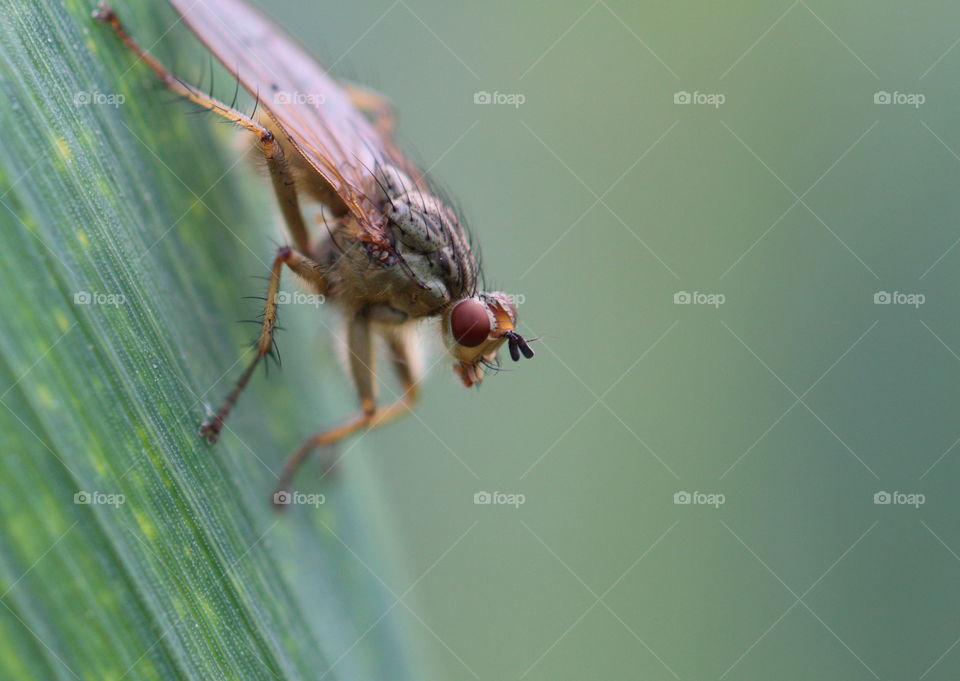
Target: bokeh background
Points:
(733, 227)
(797, 199)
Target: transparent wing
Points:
(307, 104)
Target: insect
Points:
(393, 252)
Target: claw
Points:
(210, 430)
(103, 13)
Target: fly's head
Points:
(474, 329)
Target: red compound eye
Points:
(470, 323)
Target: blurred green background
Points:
(798, 199)
(811, 177)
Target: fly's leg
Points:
(284, 187)
(370, 416)
(284, 184)
(360, 347)
(304, 267)
(376, 105)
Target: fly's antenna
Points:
(518, 345)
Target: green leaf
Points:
(129, 231)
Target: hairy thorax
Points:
(420, 261)
(419, 264)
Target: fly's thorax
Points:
(427, 235)
(421, 222)
(401, 289)
(424, 265)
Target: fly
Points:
(394, 252)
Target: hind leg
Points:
(304, 267)
(371, 415)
